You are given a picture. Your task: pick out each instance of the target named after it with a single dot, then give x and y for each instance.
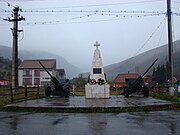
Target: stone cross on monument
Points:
(96, 44)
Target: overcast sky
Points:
(69, 28)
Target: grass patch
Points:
(166, 96)
(95, 109)
(79, 93)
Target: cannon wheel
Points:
(48, 91)
(126, 92)
(67, 93)
(146, 91)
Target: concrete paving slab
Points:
(82, 102)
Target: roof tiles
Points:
(34, 64)
(123, 76)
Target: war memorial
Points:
(97, 97)
(97, 86)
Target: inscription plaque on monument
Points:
(97, 86)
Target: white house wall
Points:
(20, 78)
(44, 77)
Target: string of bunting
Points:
(68, 21)
(85, 11)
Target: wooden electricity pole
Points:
(170, 48)
(15, 31)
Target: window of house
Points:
(46, 78)
(36, 81)
(27, 72)
(27, 81)
(36, 72)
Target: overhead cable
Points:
(151, 36)
(99, 5)
(88, 11)
(67, 21)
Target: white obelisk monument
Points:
(97, 86)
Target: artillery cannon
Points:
(137, 84)
(56, 87)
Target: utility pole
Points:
(15, 31)
(170, 48)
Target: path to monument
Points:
(81, 101)
(151, 123)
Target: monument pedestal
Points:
(97, 91)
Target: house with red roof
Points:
(120, 80)
(31, 73)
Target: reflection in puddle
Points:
(97, 123)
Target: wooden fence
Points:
(23, 93)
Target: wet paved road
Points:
(152, 123)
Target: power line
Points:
(176, 1)
(177, 14)
(158, 44)
(176, 7)
(2, 9)
(99, 5)
(150, 36)
(105, 14)
(174, 45)
(89, 11)
(153, 33)
(85, 16)
(6, 11)
(49, 12)
(9, 4)
(2, 19)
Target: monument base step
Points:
(97, 91)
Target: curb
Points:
(165, 107)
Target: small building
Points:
(4, 82)
(148, 79)
(60, 73)
(120, 82)
(32, 74)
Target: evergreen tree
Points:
(160, 73)
(6, 68)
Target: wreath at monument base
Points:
(101, 81)
(92, 82)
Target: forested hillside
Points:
(141, 62)
(5, 68)
(61, 62)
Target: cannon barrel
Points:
(59, 89)
(53, 79)
(137, 85)
(45, 69)
(138, 81)
(149, 68)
